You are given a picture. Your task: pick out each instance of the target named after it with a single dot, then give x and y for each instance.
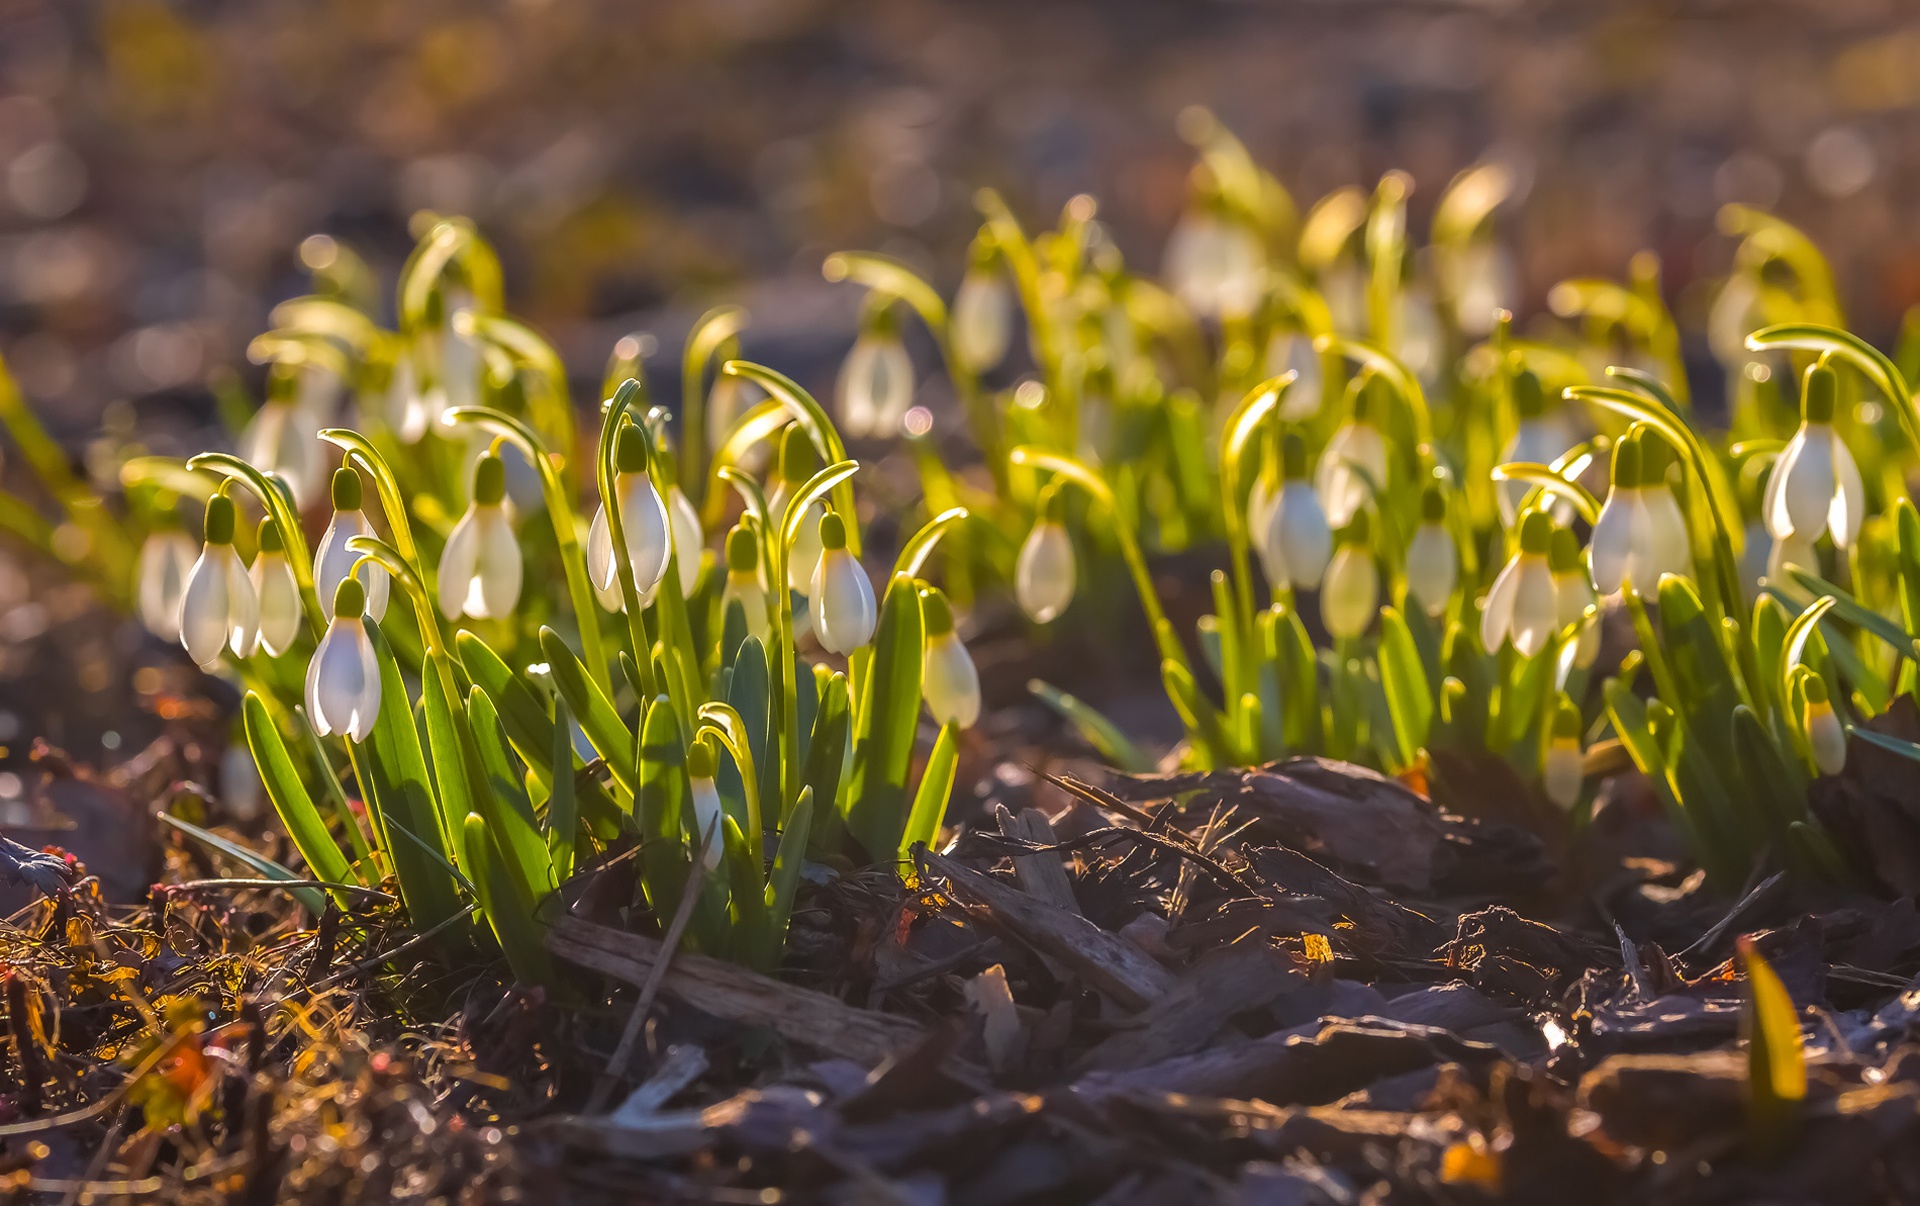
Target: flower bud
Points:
(1433, 562)
(1044, 574)
(704, 795)
(950, 682)
(843, 607)
(1562, 773)
(343, 680)
(744, 581)
(1824, 732)
(277, 590)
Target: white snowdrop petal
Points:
(1536, 610)
(204, 609)
(643, 517)
(1496, 616)
(982, 320)
(687, 539)
(280, 605)
(165, 560)
(458, 562)
(366, 705)
(1301, 534)
(950, 682)
(1773, 505)
(705, 798)
(1044, 574)
(1433, 567)
(1849, 500)
(1807, 493)
(1611, 546)
(846, 612)
(243, 606)
(500, 574)
(1351, 593)
(337, 678)
(601, 570)
(804, 558)
(1562, 775)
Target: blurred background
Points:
(636, 161)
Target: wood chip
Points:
(799, 1015)
(1222, 983)
(1042, 875)
(1106, 961)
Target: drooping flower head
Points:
(1043, 577)
(1214, 260)
(218, 609)
(334, 560)
(1815, 485)
(643, 519)
(1354, 463)
(982, 323)
(1298, 540)
(876, 381)
(1351, 593)
(166, 558)
(480, 568)
(343, 680)
(799, 460)
(707, 820)
(949, 681)
(843, 608)
(1561, 772)
(1523, 605)
(1540, 435)
(1824, 732)
(744, 581)
(277, 590)
(1433, 560)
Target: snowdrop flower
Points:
(277, 590)
(480, 568)
(643, 519)
(1293, 351)
(1355, 460)
(1523, 604)
(1433, 561)
(1824, 734)
(1043, 576)
(704, 795)
(1669, 549)
(165, 560)
(343, 680)
(218, 609)
(876, 381)
(335, 560)
(1561, 772)
(1215, 264)
(799, 461)
(950, 683)
(1575, 595)
(843, 608)
(1483, 283)
(1420, 342)
(743, 581)
(282, 438)
(982, 314)
(1298, 540)
(1641, 533)
(1538, 438)
(1815, 485)
(1352, 591)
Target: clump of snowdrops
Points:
(512, 677)
(1429, 515)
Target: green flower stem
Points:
(1086, 479)
(630, 391)
(725, 724)
(548, 406)
(1874, 364)
(566, 534)
(1397, 374)
(452, 243)
(1544, 480)
(785, 700)
(278, 505)
(714, 329)
(1242, 431)
(814, 421)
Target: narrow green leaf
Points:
(563, 823)
(310, 898)
(662, 775)
(1404, 678)
(889, 718)
(936, 788)
(783, 882)
(1096, 730)
(290, 798)
(518, 836)
(511, 919)
(1776, 1064)
(604, 728)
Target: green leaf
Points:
(1858, 614)
(783, 882)
(889, 717)
(1776, 1064)
(936, 788)
(513, 924)
(1096, 730)
(518, 836)
(748, 692)
(1210, 748)
(658, 805)
(290, 799)
(827, 757)
(747, 887)
(563, 822)
(604, 728)
(310, 898)
(392, 773)
(533, 736)
(1409, 697)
